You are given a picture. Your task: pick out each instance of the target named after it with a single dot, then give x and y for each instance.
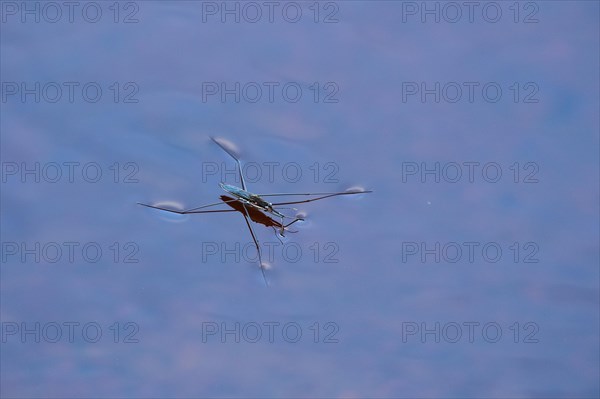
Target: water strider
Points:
(256, 201)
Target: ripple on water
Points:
(301, 224)
(170, 216)
(355, 189)
(228, 146)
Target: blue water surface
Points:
(397, 293)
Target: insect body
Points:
(248, 199)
